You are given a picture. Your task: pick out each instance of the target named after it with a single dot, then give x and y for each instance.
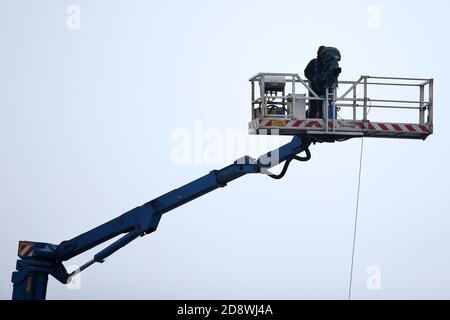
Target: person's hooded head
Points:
(319, 51)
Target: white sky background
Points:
(87, 116)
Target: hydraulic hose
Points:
(288, 162)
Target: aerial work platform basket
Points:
(279, 107)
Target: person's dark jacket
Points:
(312, 72)
(310, 69)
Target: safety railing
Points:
(262, 103)
(423, 105)
(279, 93)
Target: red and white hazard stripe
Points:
(298, 124)
(393, 127)
(318, 124)
(25, 249)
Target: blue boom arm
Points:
(38, 260)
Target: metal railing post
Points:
(430, 107)
(291, 114)
(253, 99)
(421, 105)
(263, 96)
(325, 109)
(354, 104)
(365, 99)
(334, 109)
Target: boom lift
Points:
(278, 108)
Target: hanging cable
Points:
(356, 219)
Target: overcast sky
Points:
(89, 119)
